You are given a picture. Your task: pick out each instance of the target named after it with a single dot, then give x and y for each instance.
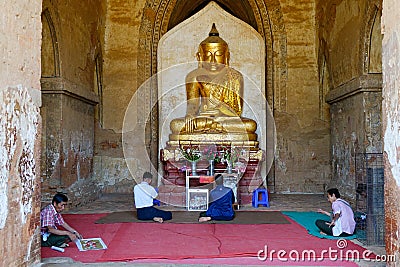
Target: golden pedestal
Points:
(239, 140)
(172, 189)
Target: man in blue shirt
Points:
(222, 198)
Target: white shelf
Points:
(230, 180)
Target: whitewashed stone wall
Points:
(391, 124)
(20, 123)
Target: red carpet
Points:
(139, 241)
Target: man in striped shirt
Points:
(51, 219)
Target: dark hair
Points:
(219, 179)
(147, 175)
(334, 191)
(58, 198)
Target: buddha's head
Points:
(213, 52)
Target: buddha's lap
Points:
(230, 124)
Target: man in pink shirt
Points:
(342, 221)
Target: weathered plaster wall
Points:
(349, 43)
(20, 123)
(122, 23)
(69, 98)
(69, 142)
(302, 156)
(120, 57)
(355, 128)
(79, 27)
(302, 162)
(340, 24)
(391, 124)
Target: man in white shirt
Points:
(144, 194)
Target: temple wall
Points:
(350, 49)
(340, 32)
(391, 108)
(355, 129)
(121, 42)
(302, 156)
(120, 82)
(20, 125)
(72, 40)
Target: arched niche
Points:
(177, 57)
(375, 47)
(50, 55)
(187, 8)
(372, 41)
(157, 15)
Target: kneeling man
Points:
(144, 194)
(222, 198)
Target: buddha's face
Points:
(213, 56)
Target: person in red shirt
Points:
(51, 220)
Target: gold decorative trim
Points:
(259, 155)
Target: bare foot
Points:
(204, 219)
(158, 219)
(64, 245)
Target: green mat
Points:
(307, 220)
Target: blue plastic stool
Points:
(260, 197)
(156, 201)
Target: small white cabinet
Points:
(197, 199)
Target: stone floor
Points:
(295, 202)
(122, 202)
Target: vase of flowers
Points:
(229, 167)
(194, 168)
(240, 167)
(230, 155)
(209, 153)
(211, 167)
(192, 154)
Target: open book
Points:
(90, 244)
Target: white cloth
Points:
(144, 195)
(346, 222)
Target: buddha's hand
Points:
(190, 124)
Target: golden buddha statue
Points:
(214, 98)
